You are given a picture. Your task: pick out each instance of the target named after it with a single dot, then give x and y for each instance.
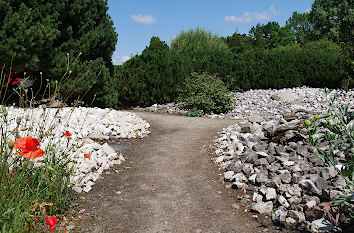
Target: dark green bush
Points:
(205, 92)
(152, 77)
(37, 35)
(316, 64)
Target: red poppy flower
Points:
(51, 221)
(29, 146)
(16, 81)
(9, 80)
(87, 156)
(67, 134)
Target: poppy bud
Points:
(3, 108)
(44, 106)
(10, 144)
(5, 113)
(307, 123)
(18, 120)
(28, 219)
(316, 117)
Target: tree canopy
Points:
(38, 35)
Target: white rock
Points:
(321, 225)
(282, 200)
(228, 175)
(271, 194)
(263, 207)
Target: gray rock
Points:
(261, 162)
(322, 183)
(279, 215)
(285, 176)
(271, 148)
(262, 154)
(252, 178)
(302, 150)
(263, 207)
(295, 190)
(247, 127)
(235, 167)
(328, 173)
(294, 200)
(322, 225)
(274, 167)
(288, 163)
(270, 158)
(251, 157)
(292, 145)
(257, 197)
(296, 178)
(262, 177)
(309, 186)
(339, 182)
(282, 201)
(298, 216)
(290, 222)
(310, 204)
(271, 194)
(248, 169)
(280, 150)
(228, 175)
(255, 118)
(283, 96)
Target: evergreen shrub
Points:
(316, 64)
(152, 77)
(205, 92)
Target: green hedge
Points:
(317, 64)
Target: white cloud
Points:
(253, 16)
(274, 11)
(120, 60)
(147, 19)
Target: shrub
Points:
(204, 51)
(37, 35)
(316, 64)
(205, 92)
(151, 77)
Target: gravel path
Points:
(167, 184)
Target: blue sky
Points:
(136, 21)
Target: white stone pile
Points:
(271, 103)
(88, 127)
(268, 156)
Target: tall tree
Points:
(270, 35)
(38, 35)
(300, 26)
(239, 43)
(333, 19)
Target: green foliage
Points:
(336, 127)
(38, 35)
(203, 51)
(150, 78)
(315, 64)
(205, 92)
(27, 188)
(271, 35)
(333, 19)
(300, 26)
(195, 112)
(239, 43)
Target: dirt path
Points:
(167, 184)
